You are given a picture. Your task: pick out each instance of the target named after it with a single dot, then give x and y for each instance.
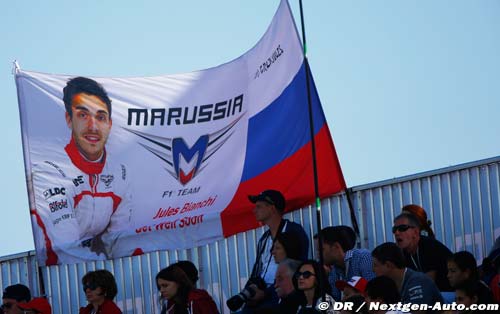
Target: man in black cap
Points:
(12, 295)
(269, 209)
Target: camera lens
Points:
(247, 293)
(235, 302)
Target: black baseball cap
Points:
(17, 292)
(272, 197)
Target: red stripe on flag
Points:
(52, 258)
(293, 177)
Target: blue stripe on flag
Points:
(282, 128)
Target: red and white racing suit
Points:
(79, 203)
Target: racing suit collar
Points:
(81, 163)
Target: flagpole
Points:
(29, 184)
(354, 221)
(313, 146)
(313, 150)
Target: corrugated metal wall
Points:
(463, 203)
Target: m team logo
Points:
(184, 162)
(107, 179)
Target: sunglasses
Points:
(401, 228)
(7, 306)
(306, 274)
(91, 286)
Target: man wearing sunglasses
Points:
(12, 296)
(422, 253)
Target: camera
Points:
(237, 301)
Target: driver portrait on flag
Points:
(82, 195)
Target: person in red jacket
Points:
(179, 296)
(36, 305)
(100, 289)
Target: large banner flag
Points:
(123, 166)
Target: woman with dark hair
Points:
(421, 215)
(189, 269)
(285, 246)
(100, 289)
(310, 280)
(462, 267)
(179, 296)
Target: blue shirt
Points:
(358, 262)
(419, 288)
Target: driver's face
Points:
(90, 125)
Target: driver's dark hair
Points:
(84, 85)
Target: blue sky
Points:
(407, 86)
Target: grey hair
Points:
(412, 219)
(291, 265)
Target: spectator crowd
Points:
(416, 268)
